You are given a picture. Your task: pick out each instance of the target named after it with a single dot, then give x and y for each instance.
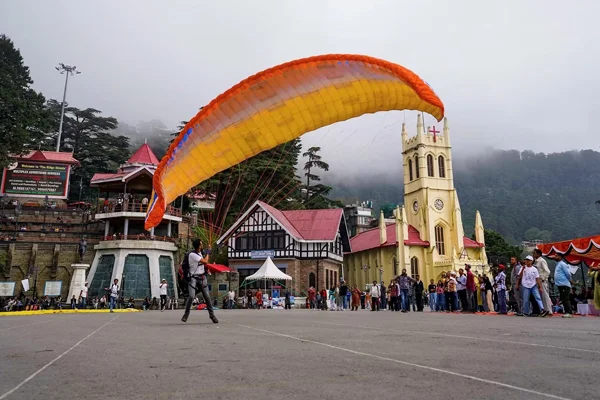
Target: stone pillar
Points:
(126, 227)
(106, 227)
(77, 280)
(169, 229)
(152, 232)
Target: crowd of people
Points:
(530, 291)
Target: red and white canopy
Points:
(575, 251)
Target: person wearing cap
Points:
(544, 271)
(163, 294)
(83, 295)
(531, 285)
(500, 281)
(562, 280)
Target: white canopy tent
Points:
(268, 271)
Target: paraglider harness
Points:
(184, 276)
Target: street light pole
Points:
(67, 70)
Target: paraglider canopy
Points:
(278, 105)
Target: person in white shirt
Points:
(163, 294)
(198, 281)
(230, 299)
(375, 296)
(114, 294)
(531, 284)
(83, 295)
(542, 267)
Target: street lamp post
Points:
(66, 70)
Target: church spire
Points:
(419, 128)
(382, 229)
(404, 133)
(479, 232)
(446, 132)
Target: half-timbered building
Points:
(308, 245)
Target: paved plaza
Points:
(298, 354)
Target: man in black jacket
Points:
(419, 293)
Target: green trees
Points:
(497, 249)
(315, 196)
(23, 118)
(88, 135)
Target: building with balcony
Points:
(138, 258)
(359, 217)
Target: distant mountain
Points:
(521, 195)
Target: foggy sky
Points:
(511, 74)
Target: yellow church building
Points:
(427, 236)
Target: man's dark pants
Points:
(196, 281)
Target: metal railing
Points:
(138, 237)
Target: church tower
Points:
(431, 202)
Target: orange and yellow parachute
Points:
(278, 105)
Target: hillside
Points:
(522, 195)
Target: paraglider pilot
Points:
(197, 280)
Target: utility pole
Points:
(66, 70)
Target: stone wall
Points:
(53, 262)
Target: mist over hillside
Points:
(523, 195)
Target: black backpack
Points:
(184, 270)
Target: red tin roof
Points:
(143, 155)
(308, 224)
(471, 244)
(370, 239)
(52, 156)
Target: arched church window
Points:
(410, 174)
(429, 165)
(414, 267)
(442, 167)
(312, 280)
(439, 240)
(417, 166)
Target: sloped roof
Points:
(471, 244)
(103, 176)
(315, 224)
(52, 156)
(282, 219)
(143, 155)
(370, 239)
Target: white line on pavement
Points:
(5, 395)
(443, 371)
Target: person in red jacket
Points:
(471, 290)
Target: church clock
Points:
(415, 206)
(438, 204)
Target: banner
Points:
(52, 288)
(36, 179)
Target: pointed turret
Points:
(404, 133)
(419, 128)
(382, 230)
(446, 131)
(479, 232)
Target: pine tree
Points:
(23, 118)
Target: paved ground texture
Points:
(298, 354)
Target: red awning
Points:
(575, 251)
(218, 268)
